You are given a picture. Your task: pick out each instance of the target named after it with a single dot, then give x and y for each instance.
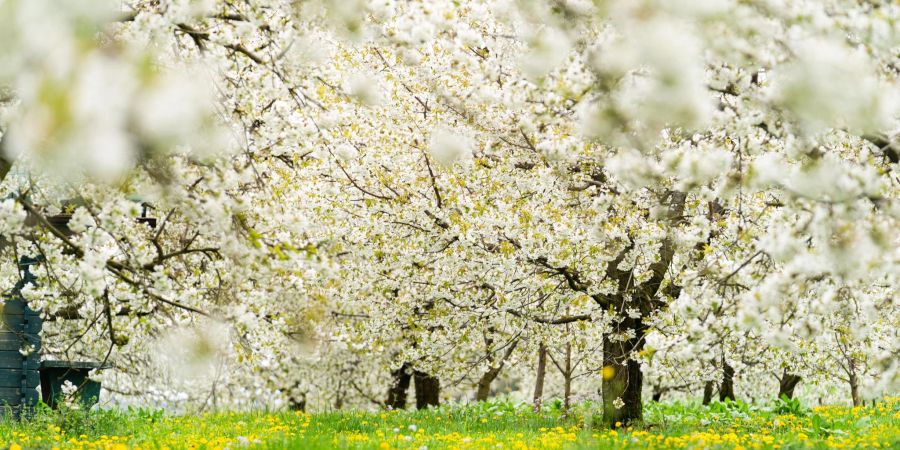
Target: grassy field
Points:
(495, 425)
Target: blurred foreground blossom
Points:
(79, 103)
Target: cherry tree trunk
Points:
(657, 393)
(854, 389)
(396, 397)
(484, 384)
(339, 400)
(296, 397)
(787, 383)
(539, 378)
(567, 381)
(5, 165)
(708, 392)
(297, 402)
(622, 377)
(4, 168)
(428, 390)
(726, 390)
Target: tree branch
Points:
(557, 321)
(116, 268)
(184, 251)
(573, 280)
(357, 186)
(434, 186)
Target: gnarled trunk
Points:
(622, 376)
(787, 383)
(428, 390)
(397, 392)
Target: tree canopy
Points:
(655, 195)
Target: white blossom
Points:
(448, 147)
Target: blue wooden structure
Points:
(20, 346)
(54, 375)
(22, 374)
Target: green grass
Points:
(492, 425)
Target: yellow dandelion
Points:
(608, 372)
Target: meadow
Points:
(488, 425)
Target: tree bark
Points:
(5, 164)
(657, 393)
(297, 403)
(726, 389)
(854, 389)
(428, 390)
(622, 376)
(538, 397)
(567, 380)
(484, 384)
(396, 397)
(708, 392)
(339, 399)
(787, 383)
